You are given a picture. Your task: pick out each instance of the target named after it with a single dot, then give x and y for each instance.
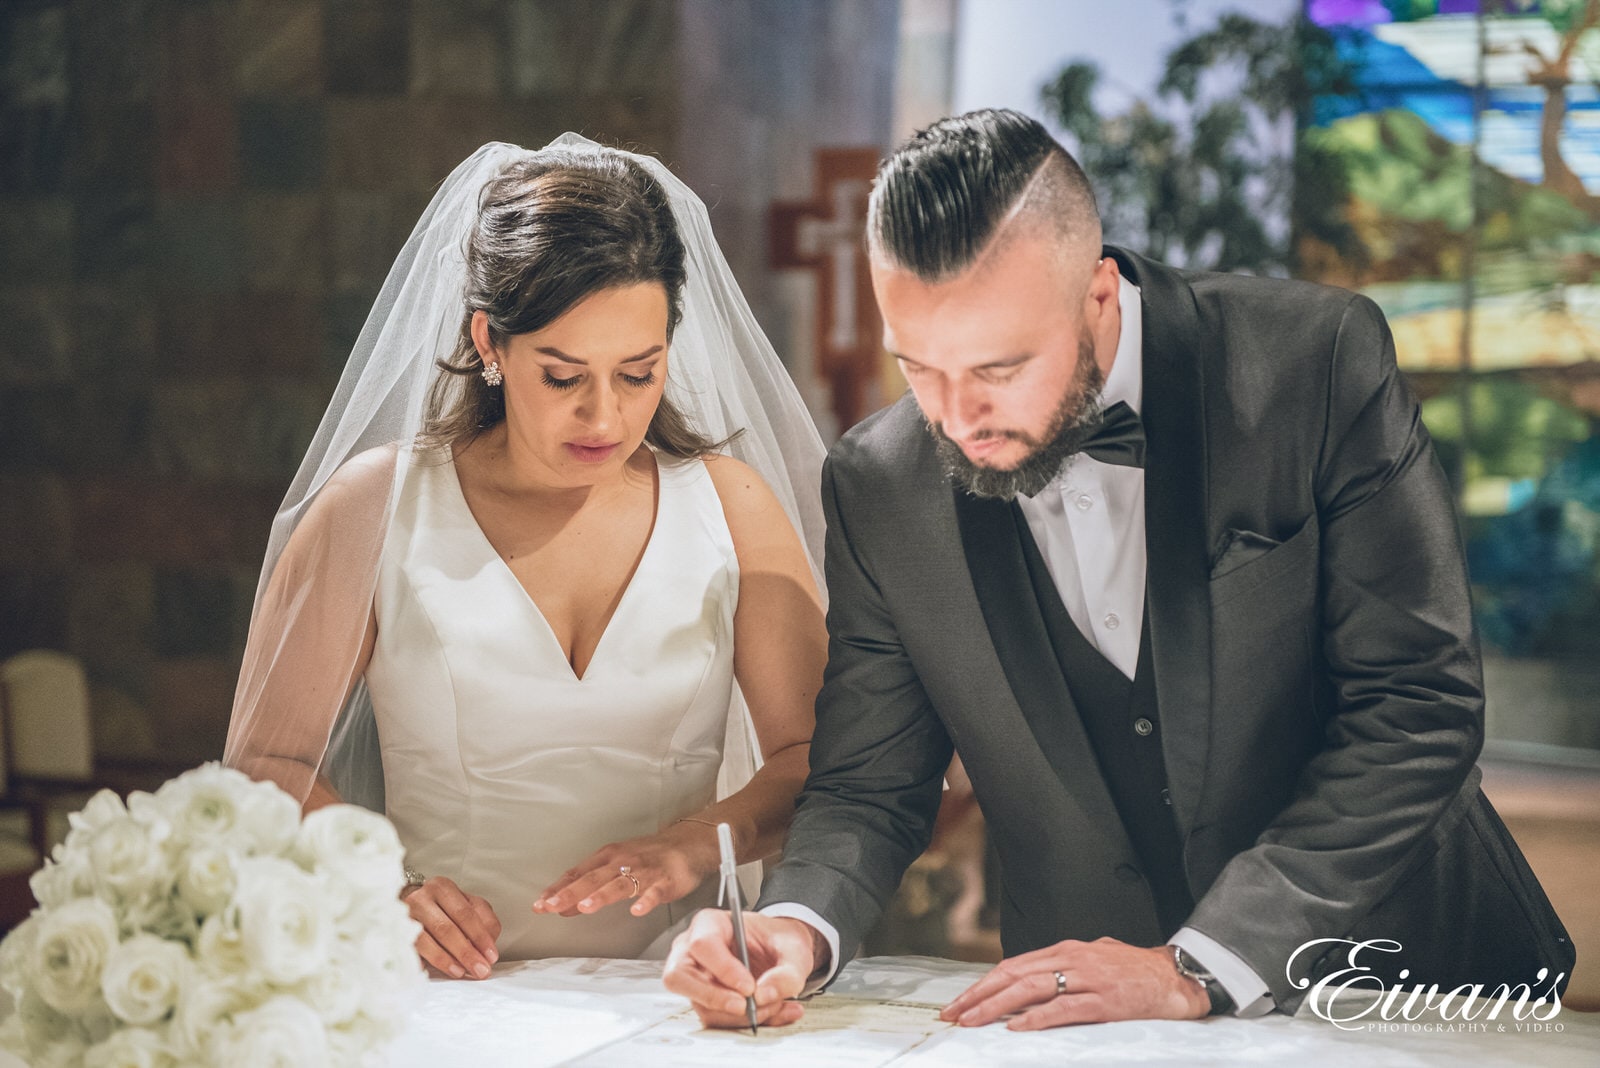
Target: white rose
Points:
(36, 1027)
(16, 952)
(205, 879)
(131, 1047)
(142, 978)
(218, 806)
(203, 1008)
(335, 989)
(283, 1031)
(283, 919)
(102, 808)
(69, 952)
(354, 845)
(220, 950)
(272, 817)
(127, 861)
(163, 914)
(66, 876)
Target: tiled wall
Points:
(197, 202)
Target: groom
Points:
(1168, 558)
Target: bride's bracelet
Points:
(695, 819)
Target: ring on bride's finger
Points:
(1061, 983)
(627, 873)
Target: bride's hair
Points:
(550, 231)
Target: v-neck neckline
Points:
(533, 605)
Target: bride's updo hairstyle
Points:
(551, 230)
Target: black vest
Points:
(1124, 728)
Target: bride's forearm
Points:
(759, 814)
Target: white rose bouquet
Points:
(206, 924)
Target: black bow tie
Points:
(1120, 439)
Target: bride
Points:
(545, 589)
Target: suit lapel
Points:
(1178, 570)
(1010, 610)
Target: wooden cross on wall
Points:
(827, 236)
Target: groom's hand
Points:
(1104, 980)
(704, 967)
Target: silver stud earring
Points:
(492, 375)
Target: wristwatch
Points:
(1190, 968)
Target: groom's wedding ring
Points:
(1061, 983)
(627, 873)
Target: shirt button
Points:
(1111, 621)
(1084, 502)
(1142, 727)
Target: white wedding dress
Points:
(503, 768)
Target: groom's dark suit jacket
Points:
(1314, 659)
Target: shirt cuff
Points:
(1250, 994)
(830, 935)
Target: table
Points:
(611, 1013)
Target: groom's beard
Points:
(1076, 419)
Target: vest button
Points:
(1127, 873)
(1142, 727)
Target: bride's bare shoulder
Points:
(755, 517)
(361, 480)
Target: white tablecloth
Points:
(616, 1013)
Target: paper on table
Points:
(835, 1032)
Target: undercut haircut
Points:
(942, 197)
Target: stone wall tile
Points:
(256, 334)
(112, 146)
(456, 47)
(281, 143)
(285, 242)
(367, 45)
(121, 726)
(198, 139)
(166, 522)
(373, 144)
(110, 429)
(194, 613)
(33, 609)
(36, 335)
(116, 337)
(190, 698)
(233, 428)
(115, 50)
(368, 231)
(34, 96)
(279, 46)
(114, 625)
(196, 51)
(36, 426)
(36, 522)
(115, 234)
(35, 239)
(556, 47)
(200, 244)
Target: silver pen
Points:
(730, 887)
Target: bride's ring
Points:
(1061, 983)
(627, 873)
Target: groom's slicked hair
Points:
(940, 199)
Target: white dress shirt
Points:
(1089, 526)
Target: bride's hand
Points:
(667, 865)
(458, 929)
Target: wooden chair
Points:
(48, 758)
